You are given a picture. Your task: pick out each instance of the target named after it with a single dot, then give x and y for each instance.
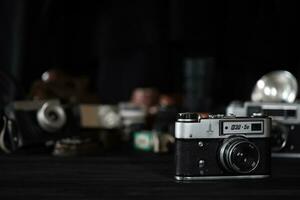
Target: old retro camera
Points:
(33, 122)
(221, 147)
(274, 95)
(285, 141)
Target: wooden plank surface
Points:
(141, 176)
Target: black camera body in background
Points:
(286, 140)
(36, 122)
(221, 147)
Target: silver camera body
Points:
(221, 147)
(285, 138)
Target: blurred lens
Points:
(279, 136)
(51, 117)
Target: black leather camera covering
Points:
(188, 153)
(30, 132)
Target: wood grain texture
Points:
(142, 176)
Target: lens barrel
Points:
(51, 117)
(279, 136)
(239, 155)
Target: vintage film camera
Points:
(274, 95)
(285, 140)
(32, 122)
(221, 147)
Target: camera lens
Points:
(238, 155)
(279, 136)
(51, 117)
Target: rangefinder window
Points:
(241, 127)
(273, 112)
(254, 109)
(280, 112)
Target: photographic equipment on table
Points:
(32, 122)
(276, 92)
(35, 122)
(276, 86)
(133, 117)
(156, 140)
(97, 116)
(152, 141)
(160, 139)
(222, 147)
(285, 140)
(102, 124)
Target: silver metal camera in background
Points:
(274, 95)
(285, 138)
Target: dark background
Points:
(126, 44)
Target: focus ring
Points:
(239, 155)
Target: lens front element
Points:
(51, 117)
(239, 155)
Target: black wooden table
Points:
(138, 176)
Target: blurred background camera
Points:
(274, 95)
(36, 122)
